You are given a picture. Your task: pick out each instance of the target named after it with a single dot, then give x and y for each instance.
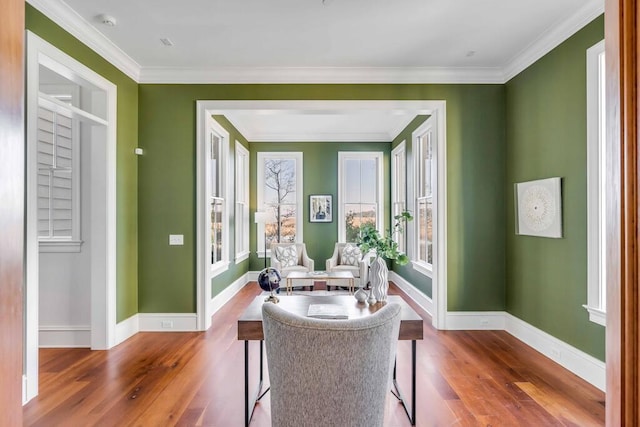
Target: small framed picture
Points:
(320, 208)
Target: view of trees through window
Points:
(355, 218)
(359, 195)
(216, 199)
(280, 200)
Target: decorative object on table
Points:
(372, 298)
(538, 206)
(320, 208)
(261, 218)
(386, 248)
(360, 295)
(269, 280)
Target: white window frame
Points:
(343, 156)
(596, 243)
(73, 242)
(289, 155)
(399, 188)
(221, 265)
(242, 203)
(416, 140)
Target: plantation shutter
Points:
(55, 195)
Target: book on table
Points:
(328, 311)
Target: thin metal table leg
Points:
(249, 408)
(247, 414)
(413, 383)
(411, 412)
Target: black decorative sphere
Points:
(269, 279)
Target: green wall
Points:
(475, 150)
(127, 163)
(546, 136)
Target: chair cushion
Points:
(350, 255)
(287, 255)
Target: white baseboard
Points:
(223, 297)
(475, 320)
(127, 328)
(580, 363)
(167, 322)
(414, 293)
(65, 336)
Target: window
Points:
(58, 189)
(424, 155)
(596, 260)
(242, 203)
(399, 188)
(359, 193)
(280, 196)
(217, 149)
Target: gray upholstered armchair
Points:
(310, 383)
(345, 259)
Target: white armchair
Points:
(351, 260)
(288, 257)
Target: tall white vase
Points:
(379, 277)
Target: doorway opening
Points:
(435, 109)
(70, 212)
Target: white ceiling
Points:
(338, 41)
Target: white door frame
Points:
(437, 109)
(103, 265)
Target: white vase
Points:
(360, 295)
(379, 277)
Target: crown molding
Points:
(309, 75)
(317, 136)
(67, 18)
(552, 38)
(63, 15)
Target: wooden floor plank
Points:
(464, 378)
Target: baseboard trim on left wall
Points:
(127, 328)
(167, 322)
(225, 296)
(174, 322)
(64, 336)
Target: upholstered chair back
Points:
(329, 372)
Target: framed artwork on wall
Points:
(320, 208)
(538, 206)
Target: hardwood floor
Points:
(465, 378)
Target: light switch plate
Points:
(176, 239)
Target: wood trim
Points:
(12, 148)
(623, 320)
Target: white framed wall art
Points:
(538, 206)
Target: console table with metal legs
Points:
(250, 329)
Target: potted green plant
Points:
(385, 248)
